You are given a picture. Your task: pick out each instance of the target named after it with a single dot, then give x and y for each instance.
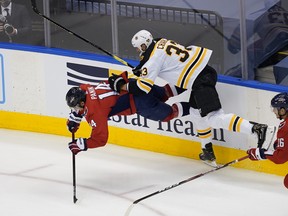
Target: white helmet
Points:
(142, 37)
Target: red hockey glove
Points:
(78, 145)
(73, 122)
(256, 154)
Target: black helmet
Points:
(280, 101)
(74, 96)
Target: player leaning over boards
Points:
(97, 103)
(186, 68)
(279, 154)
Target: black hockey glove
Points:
(116, 82)
(137, 72)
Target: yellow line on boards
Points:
(144, 141)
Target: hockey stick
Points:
(182, 182)
(74, 172)
(34, 7)
(269, 138)
(207, 22)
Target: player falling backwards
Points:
(97, 103)
(186, 68)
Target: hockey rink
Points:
(36, 179)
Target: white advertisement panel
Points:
(36, 83)
(2, 83)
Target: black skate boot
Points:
(260, 130)
(208, 156)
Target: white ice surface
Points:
(36, 179)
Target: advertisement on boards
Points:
(40, 89)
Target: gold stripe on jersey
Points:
(187, 65)
(131, 75)
(202, 134)
(235, 123)
(145, 84)
(190, 68)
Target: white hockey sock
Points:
(230, 122)
(205, 136)
(246, 127)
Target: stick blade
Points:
(211, 163)
(270, 134)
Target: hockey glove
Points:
(78, 145)
(73, 122)
(256, 154)
(137, 72)
(116, 82)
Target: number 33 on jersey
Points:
(178, 65)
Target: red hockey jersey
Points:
(100, 100)
(280, 154)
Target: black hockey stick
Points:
(181, 182)
(74, 172)
(207, 22)
(34, 7)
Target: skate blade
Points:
(211, 163)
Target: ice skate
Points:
(208, 156)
